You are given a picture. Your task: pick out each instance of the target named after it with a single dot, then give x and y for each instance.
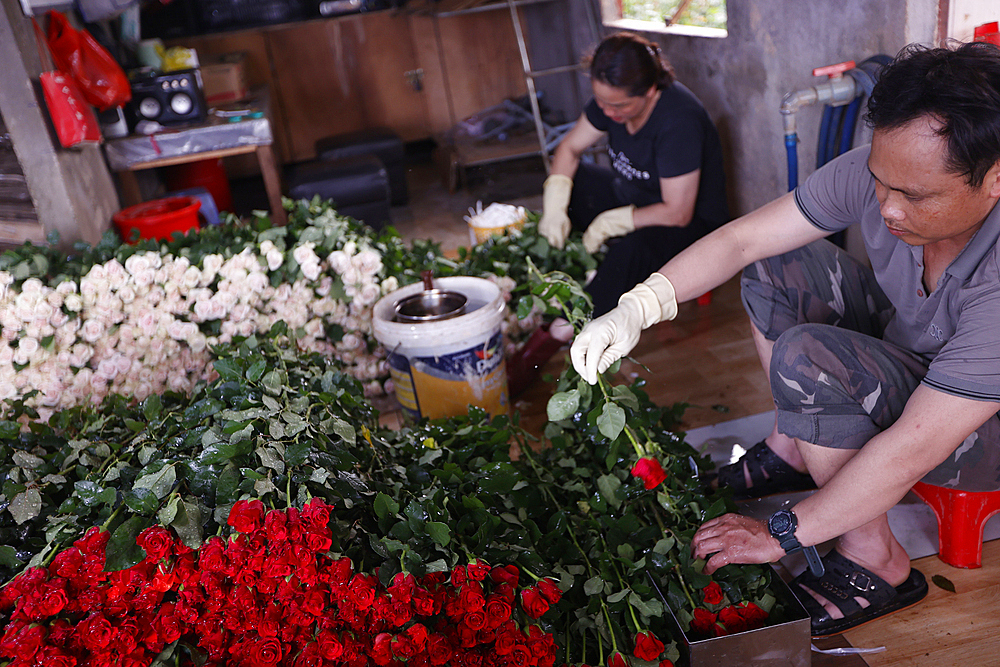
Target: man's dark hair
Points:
(959, 87)
(630, 62)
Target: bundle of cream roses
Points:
(146, 323)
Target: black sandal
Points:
(842, 582)
(769, 474)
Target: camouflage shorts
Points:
(835, 382)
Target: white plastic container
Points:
(440, 368)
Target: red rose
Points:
(265, 651)
(649, 471)
(211, 555)
(753, 613)
(439, 649)
(478, 570)
(732, 618)
(274, 526)
(520, 656)
(361, 591)
(549, 590)
(497, 610)
(704, 623)
(647, 646)
(471, 596)
(712, 594)
(50, 656)
(95, 632)
(52, 599)
(418, 634)
(617, 660)
(666, 663)
(66, 564)
(316, 515)
(156, 541)
(508, 574)
(533, 603)
(476, 620)
(246, 515)
(330, 646)
(22, 641)
(381, 653)
(459, 576)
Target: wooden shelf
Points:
(470, 154)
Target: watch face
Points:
(780, 523)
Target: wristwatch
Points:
(782, 525)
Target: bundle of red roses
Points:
(718, 619)
(271, 594)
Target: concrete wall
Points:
(73, 192)
(771, 49)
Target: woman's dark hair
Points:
(630, 62)
(959, 87)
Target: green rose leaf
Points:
(26, 505)
(8, 557)
(122, 551)
(593, 586)
(91, 494)
(563, 405)
(228, 369)
(439, 532)
(159, 482)
(141, 501)
(611, 421)
(385, 506)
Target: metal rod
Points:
(532, 96)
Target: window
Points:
(697, 17)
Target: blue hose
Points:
(847, 126)
(836, 115)
(824, 132)
(791, 150)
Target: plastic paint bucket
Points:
(442, 367)
(158, 219)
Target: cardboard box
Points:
(223, 79)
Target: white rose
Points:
(212, 263)
(369, 293)
(275, 258)
(368, 262)
(191, 277)
(390, 284)
(339, 261)
(137, 263)
(106, 369)
(92, 330)
(311, 270)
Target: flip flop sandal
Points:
(842, 582)
(769, 474)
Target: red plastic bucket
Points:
(208, 174)
(158, 219)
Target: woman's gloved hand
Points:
(613, 335)
(615, 222)
(554, 224)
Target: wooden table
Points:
(219, 136)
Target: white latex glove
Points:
(613, 335)
(615, 222)
(554, 224)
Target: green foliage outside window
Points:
(703, 13)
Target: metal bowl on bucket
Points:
(430, 306)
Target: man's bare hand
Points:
(733, 538)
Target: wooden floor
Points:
(706, 358)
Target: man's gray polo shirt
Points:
(956, 328)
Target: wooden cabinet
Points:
(418, 74)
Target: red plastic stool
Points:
(961, 516)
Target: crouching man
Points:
(881, 377)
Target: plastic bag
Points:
(73, 119)
(75, 52)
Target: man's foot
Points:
(768, 473)
(849, 595)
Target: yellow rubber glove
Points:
(613, 335)
(615, 222)
(554, 224)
